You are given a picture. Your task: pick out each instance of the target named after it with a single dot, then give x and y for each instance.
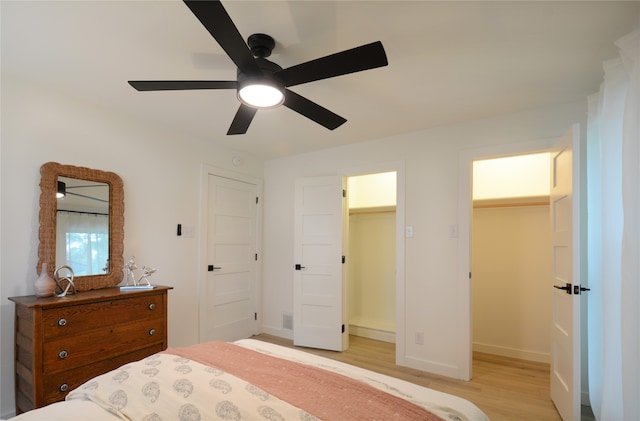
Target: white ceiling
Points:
(448, 61)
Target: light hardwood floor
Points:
(504, 388)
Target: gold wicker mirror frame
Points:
(49, 174)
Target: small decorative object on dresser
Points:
(61, 343)
(64, 284)
(130, 281)
(44, 285)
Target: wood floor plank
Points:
(504, 388)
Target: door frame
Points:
(399, 168)
(465, 205)
(205, 171)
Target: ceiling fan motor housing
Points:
(261, 45)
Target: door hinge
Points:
(255, 316)
(344, 193)
(344, 259)
(256, 257)
(256, 200)
(343, 328)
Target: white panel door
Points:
(565, 237)
(318, 316)
(228, 300)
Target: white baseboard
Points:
(279, 332)
(522, 354)
(377, 334)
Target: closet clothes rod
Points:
(370, 212)
(510, 205)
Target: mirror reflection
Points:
(82, 226)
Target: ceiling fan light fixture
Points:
(261, 95)
(62, 190)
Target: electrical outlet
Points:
(419, 338)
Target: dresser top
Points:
(84, 296)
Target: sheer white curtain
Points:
(613, 150)
(82, 242)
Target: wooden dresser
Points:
(62, 342)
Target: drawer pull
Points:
(152, 306)
(152, 332)
(63, 354)
(63, 387)
(62, 322)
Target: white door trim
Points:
(466, 158)
(205, 171)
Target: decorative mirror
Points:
(82, 224)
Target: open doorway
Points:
(372, 255)
(320, 280)
(511, 263)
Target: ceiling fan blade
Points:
(313, 111)
(217, 21)
(242, 120)
(365, 57)
(87, 197)
(178, 85)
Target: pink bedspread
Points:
(327, 395)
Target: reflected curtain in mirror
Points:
(82, 242)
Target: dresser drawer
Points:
(61, 343)
(76, 319)
(56, 386)
(93, 346)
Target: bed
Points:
(250, 380)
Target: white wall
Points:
(372, 269)
(511, 271)
(512, 176)
(372, 190)
(161, 174)
(431, 301)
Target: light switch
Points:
(408, 231)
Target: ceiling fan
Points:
(262, 83)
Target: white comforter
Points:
(138, 391)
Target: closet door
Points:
(565, 241)
(319, 287)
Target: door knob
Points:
(567, 288)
